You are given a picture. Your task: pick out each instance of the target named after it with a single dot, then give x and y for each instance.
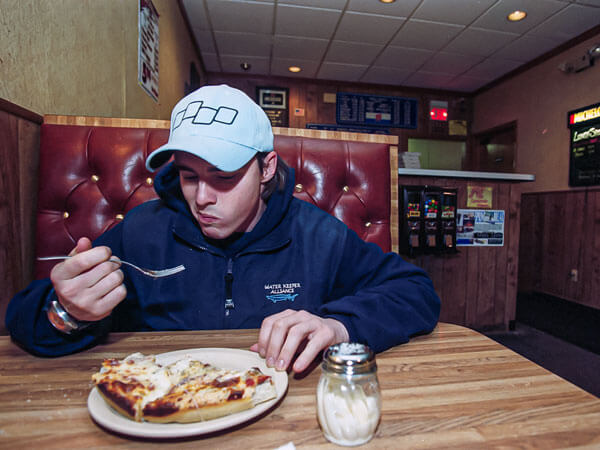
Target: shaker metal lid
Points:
(349, 357)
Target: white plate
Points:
(226, 358)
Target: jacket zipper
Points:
(229, 305)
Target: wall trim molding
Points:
(19, 111)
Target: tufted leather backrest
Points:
(92, 171)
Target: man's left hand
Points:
(282, 334)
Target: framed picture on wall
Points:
(274, 101)
(148, 43)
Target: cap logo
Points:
(204, 115)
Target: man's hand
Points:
(88, 285)
(282, 334)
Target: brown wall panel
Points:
(19, 143)
(308, 95)
(477, 285)
(592, 262)
(512, 252)
(560, 233)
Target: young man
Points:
(227, 213)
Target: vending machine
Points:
(412, 220)
(428, 220)
(448, 219)
(431, 209)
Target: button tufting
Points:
(65, 215)
(149, 181)
(95, 178)
(119, 217)
(299, 187)
(368, 224)
(345, 188)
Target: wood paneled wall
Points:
(560, 233)
(477, 285)
(19, 149)
(308, 95)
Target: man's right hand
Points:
(88, 285)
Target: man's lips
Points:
(206, 218)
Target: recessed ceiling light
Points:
(515, 16)
(387, 1)
(294, 69)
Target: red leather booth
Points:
(92, 171)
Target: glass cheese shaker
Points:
(348, 395)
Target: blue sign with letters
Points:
(376, 110)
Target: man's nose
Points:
(205, 195)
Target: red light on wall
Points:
(439, 114)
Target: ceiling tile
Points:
(450, 63)
(258, 65)
(279, 66)
(211, 62)
(251, 17)
(374, 29)
(537, 11)
(461, 12)
(466, 84)
(403, 58)
(431, 80)
(343, 72)
(385, 75)
(492, 68)
(475, 41)
(307, 22)
(568, 23)
(352, 52)
(443, 37)
(526, 48)
(204, 39)
(330, 4)
(248, 44)
(426, 35)
(589, 2)
(196, 14)
(402, 8)
(299, 47)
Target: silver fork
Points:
(151, 273)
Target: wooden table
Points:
(454, 388)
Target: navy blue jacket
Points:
(297, 257)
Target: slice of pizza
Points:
(207, 392)
(128, 384)
(183, 391)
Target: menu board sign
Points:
(584, 161)
(376, 110)
(348, 128)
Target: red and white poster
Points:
(148, 48)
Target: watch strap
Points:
(62, 320)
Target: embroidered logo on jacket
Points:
(282, 297)
(282, 292)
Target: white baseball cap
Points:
(219, 124)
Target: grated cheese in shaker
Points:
(348, 395)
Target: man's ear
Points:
(269, 167)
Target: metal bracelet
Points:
(61, 320)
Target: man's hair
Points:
(279, 179)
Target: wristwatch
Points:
(62, 321)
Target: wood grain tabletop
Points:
(453, 388)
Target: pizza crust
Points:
(115, 406)
(205, 413)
